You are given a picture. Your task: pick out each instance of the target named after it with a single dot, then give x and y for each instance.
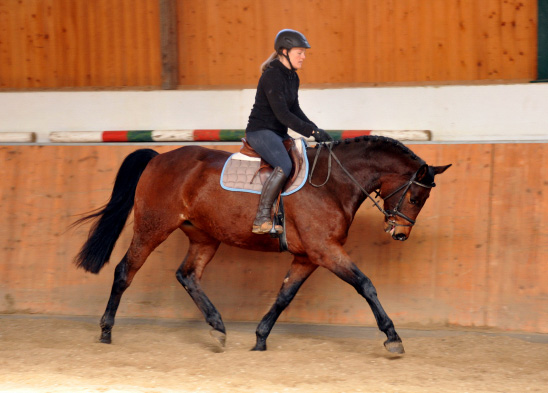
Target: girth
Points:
(265, 169)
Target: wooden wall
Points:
(56, 44)
(79, 44)
(357, 41)
(476, 257)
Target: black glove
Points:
(321, 136)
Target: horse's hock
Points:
(474, 258)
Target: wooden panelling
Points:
(518, 244)
(371, 41)
(116, 43)
(79, 43)
(476, 257)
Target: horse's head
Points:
(403, 202)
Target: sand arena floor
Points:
(62, 354)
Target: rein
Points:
(389, 214)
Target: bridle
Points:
(396, 211)
(389, 214)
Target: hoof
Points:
(394, 347)
(259, 348)
(220, 337)
(106, 339)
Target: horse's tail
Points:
(112, 217)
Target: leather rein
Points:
(389, 214)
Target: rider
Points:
(276, 108)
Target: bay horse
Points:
(181, 189)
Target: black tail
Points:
(113, 216)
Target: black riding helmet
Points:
(289, 39)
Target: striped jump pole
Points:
(17, 137)
(214, 135)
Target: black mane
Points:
(386, 142)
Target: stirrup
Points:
(276, 230)
(267, 227)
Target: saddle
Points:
(265, 169)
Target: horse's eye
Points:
(413, 201)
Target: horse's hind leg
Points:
(201, 250)
(301, 268)
(139, 250)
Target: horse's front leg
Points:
(301, 268)
(339, 263)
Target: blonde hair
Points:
(268, 61)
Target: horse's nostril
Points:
(400, 236)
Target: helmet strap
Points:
(286, 55)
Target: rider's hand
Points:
(321, 136)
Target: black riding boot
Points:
(271, 188)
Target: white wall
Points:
(452, 113)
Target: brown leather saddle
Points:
(265, 169)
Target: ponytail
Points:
(267, 62)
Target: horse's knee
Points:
(182, 279)
(187, 280)
(365, 286)
(181, 276)
(369, 291)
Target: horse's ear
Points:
(440, 169)
(422, 172)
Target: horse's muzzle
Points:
(398, 232)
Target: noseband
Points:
(396, 211)
(389, 214)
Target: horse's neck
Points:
(368, 165)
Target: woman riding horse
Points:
(181, 190)
(276, 108)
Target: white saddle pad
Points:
(239, 173)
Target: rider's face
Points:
(297, 56)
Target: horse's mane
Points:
(386, 143)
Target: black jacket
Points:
(277, 103)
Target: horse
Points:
(180, 189)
